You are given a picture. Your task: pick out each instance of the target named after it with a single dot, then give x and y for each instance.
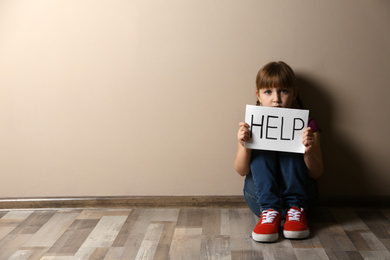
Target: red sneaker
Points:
(267, 228)
(295, 226)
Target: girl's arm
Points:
(243, 157)
(313, 155)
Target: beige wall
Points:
(134, 97)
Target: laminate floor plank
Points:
(99, 253)
(309, 254)
(2, 213)
(38, 252)
(342, 255)
(190, 218)
(211, 222)
(16, 215)
(117, 212)
(247, 255)
(49, 233)
(279, 253)
(82, 253)
(186, 233)
(377, 222)
(72, 239)
(186, 240)
(126, 228)
(349, 220)
(241, 226)
(105, 232)
(12, 243)
(92, 214)
(150, 242)
(386, 212)
(164, 245)
(135, 236)
(215, 247)
(185, 247)
(162, 215)
(358, 240)
(375, 255)
(334, 237)
(386, 243)
(21, 255)
(5, 230)
(225, 223)
(10, 220)
(115, 253)
(33, 222)
(311, 242)
(353, 255)
(373, 242)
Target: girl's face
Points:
(276, 97)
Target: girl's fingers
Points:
(243, 124)
(243, 133)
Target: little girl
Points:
(278, 181)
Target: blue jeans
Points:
(278, 181)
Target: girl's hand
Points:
(308, 139)
(243, 133)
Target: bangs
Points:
(275, 74)
(274, 82)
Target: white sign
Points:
(276, 129)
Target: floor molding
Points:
(170, 202)
(354, 201)
(123, 202)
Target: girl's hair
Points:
(276, 74)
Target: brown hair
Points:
(276, 74)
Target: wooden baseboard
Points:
(124, 202)
(354, 201)
(171, 202)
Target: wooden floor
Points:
(187, 233)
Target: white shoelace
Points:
(294, 214)
(268, 216)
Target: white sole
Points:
(265, 238)
(296, 234)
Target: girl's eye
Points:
(284, 91)
(268, 92)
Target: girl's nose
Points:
(276, 97)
